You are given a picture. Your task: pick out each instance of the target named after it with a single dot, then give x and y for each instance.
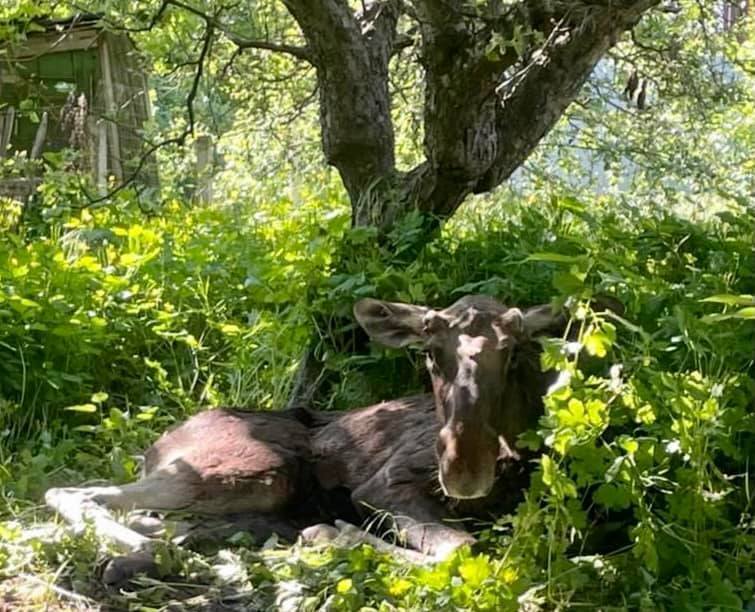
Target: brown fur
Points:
(234, 461)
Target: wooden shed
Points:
(71, 84)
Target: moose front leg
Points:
(416, 518)
(78, 508)
(346, 535)
(89, 505)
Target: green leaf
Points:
(596, 411)
(613, 496)
(549, 469)
(475, 570)
(82, 408)
(230, 329)
(556, 258)
(597, 343)
(567, 283)
(629, 444)
(399, 587)
(745, 313)
(731, 300)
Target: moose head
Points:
(469, 348)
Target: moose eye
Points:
(433, 323)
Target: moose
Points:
(413, 462)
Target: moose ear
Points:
(510, 323)
(391, 323)
(541, 318)
(509, 327)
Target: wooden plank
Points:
(2, 133)
(101, 173)
(19, 189)
(203, 149)
(8, 77)
(132, 100)
(112, 110)
(54, 42)
(9, 118)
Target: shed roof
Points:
(79, 31)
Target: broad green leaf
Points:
(399, 587)
(230, 329)
(475, 570)
(597, 343)
(745, 313)
(548, 469)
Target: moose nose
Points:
(466, 466)
(462, 484)
(467, 489)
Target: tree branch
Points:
(533, 101)
(483, 115)
(464, 54)
(212, 25)
(351, 54)
(301, 53)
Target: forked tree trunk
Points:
(486, 105)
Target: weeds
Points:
(114, 325)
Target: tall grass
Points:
(113, 325)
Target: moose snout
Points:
(466, 463)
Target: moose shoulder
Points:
(404, 459)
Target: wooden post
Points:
(111, 109)
(6, 131)
(203, 149)
(39, 138)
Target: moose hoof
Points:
(318, 534)
(443, 551)
(120, 570)
(149, 526)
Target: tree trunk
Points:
(485, 108)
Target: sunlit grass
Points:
(106, 343)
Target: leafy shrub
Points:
(109, 319)
(113, 324)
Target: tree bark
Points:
(351, 54)
(484, 113)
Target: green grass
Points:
(113, 325)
